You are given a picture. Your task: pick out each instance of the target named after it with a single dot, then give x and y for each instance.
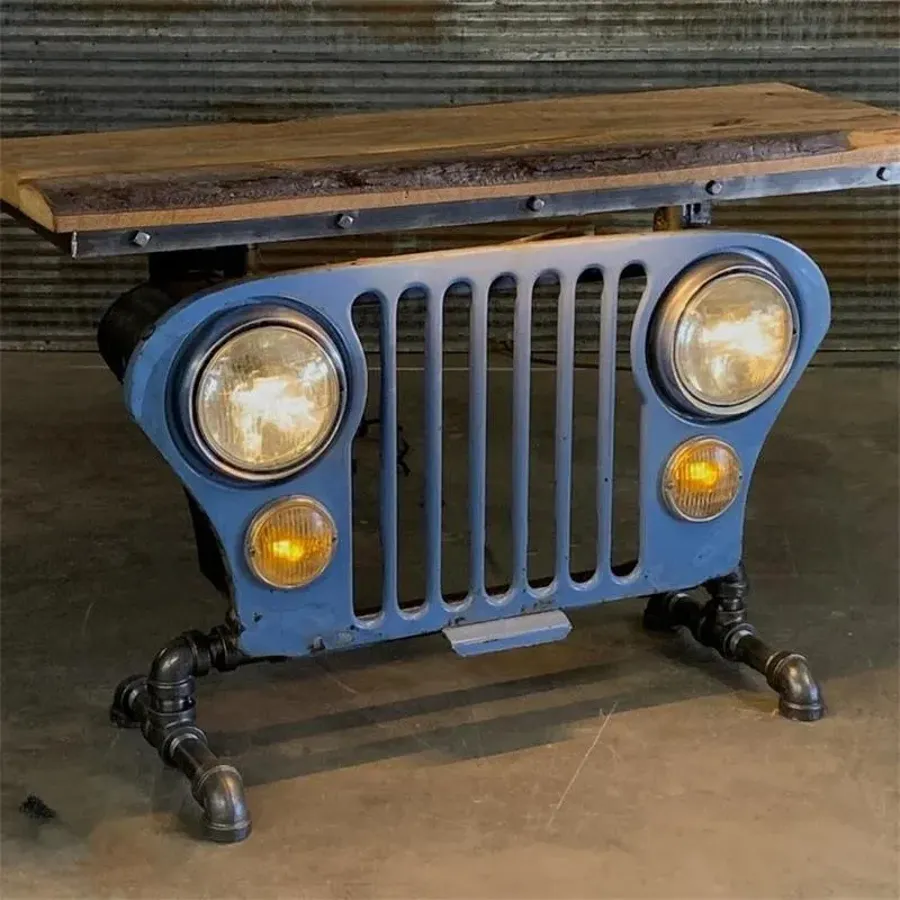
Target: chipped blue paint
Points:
(673, 554)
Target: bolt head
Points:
(714, 187)
(344, 220)
(536, 204)
(140, 239)
(883, 174)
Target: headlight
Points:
(726, 335)
(268, 398)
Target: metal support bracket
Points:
(167, 238)
(687, 215)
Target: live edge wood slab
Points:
(231, 173)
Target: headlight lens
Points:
(727, 337)
(269, 398)
(733, 339)
(291, 542)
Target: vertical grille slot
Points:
(625, 510)
(498, 486)
(454, 474)
(542, 525)
(586, 430)
(411, 464)
(368, 563)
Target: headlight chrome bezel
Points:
(203, 351)
(672, 308)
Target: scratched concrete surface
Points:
(612, 764)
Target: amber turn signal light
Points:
(291, 542)
(701, 479)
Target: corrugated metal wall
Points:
(71, 65)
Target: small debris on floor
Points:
(35, 808)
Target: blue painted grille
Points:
(672, 554)
(479, 599)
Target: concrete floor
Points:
(615, 763)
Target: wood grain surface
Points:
(234, 172)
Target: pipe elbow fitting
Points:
(799, 695)
(220, 791)
(174, 664)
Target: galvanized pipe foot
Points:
(216, 786)
(788, 674)
(164, 706)
(800, 696)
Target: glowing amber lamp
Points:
(291, 542)
(702, 474)
(288, 549)
(701, 479)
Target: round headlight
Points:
(726, 336)
(268, 398)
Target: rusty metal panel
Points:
(71, 65)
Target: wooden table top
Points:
(237, 172)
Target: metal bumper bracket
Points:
(508, 634)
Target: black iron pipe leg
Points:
(788, 674)
(164, 706)
(722, 624)
(215, 785)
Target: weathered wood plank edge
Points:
(113, 194)
(96, 244)
(878, 156)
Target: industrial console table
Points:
(252, 389)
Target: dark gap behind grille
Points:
(583, 514)
(368, 557)
(498, 461)
(541, 464)
(411, 462)
(626, 448)
(455, 440)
